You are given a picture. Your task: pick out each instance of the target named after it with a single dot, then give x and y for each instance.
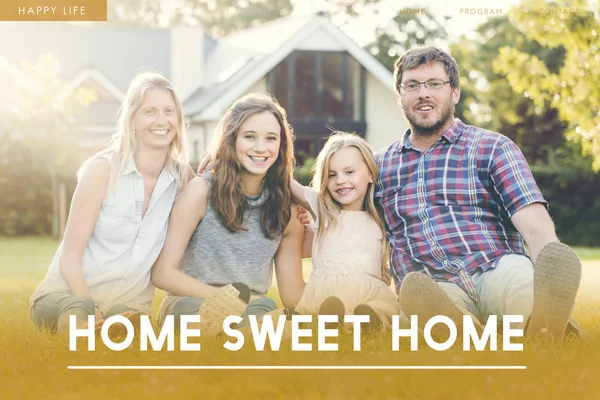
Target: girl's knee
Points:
(177, 308)
(78, 304)
(264, 303)
(186, 306)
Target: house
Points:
(319, 75)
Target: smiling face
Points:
(156, 121)
(348, 178)
(428, 111)
(257, 144)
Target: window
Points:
(324, 86)
(320, 90)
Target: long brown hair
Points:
(226, 195)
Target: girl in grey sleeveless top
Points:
(230, 225)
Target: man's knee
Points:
(508, 289)
(513, 268)
(460, 298)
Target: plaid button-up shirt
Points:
(447, 211)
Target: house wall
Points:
(197, 141)
(320, 40)
(385, 121)
(259, 86)
(203, 132)
(187, 59)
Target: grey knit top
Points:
(219, 257)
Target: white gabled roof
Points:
(261, 49)
(101, 79)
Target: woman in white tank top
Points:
(119, 213)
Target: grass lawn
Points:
(34, 364)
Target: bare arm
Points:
(191, 174)
(288, 264)
(303, 215)
(83, 215)
(188, 211)
(298, 194)
(307, 240)
(535, 225)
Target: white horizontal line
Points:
(294, 367)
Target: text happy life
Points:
(52, 10)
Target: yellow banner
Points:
(53, 10)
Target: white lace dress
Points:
(347, 264)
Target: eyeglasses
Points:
(432, 84)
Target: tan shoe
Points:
(556, 280)
(377, 321)
(333, 306)
(420, 295)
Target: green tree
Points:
(489, 100)
(218, 17)
(487, 97)
(46, 114)
(573, 88)
(40, 147)
(410, 26)
(406, 31)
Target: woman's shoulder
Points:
(92, 180)
(97, 168)
(176, 167)
(208, 177)
(193, 198)
(199, 185)
(190, 172)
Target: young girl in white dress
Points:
(350, 273)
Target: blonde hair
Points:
(123, 143)
(329, 209)
(226, 195)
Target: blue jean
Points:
(52, 311)
(191, 305)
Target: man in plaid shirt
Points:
(458, 202)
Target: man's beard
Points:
(433, 130)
